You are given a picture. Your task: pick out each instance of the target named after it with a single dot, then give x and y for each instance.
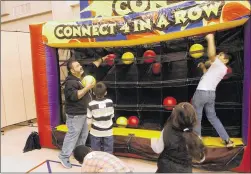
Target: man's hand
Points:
(89, 86)
(83, 91)
(104, 58)
(99, 61)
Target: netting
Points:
(135, 90)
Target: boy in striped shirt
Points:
(99, 116)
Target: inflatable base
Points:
(136, 143)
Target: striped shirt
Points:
(102, 162)
(99, 115)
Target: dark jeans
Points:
(105, 142)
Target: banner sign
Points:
(135, 22)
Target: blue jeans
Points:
(77, 134)
(206, 99)
(106, 142)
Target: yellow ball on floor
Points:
(88, 80)
(196, 51)
(127, 58)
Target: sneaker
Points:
(65, 162)
(229, 143)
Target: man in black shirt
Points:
(77, 98)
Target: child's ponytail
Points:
(184, 118)
(194, 144)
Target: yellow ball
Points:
(88, 80)
(121, 121)
(127, 58)
(196, 51)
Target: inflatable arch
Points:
(174, 21)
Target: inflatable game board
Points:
(125, 25)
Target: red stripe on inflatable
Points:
(245, 165)
(40, 85)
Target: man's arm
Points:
(83, 91)
(72, 93)
(92, 69)
(211, 50)
(99, 61)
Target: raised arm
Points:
(99, 61)
(92, 70)
(211, 50)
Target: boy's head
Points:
(100, 90)
(224, 57)
(80, 152)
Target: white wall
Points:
(17, 15)
(17, 90)
(3, 118)
(27, 75)
(23, 24)
(17, 99)
(16, 10)
(11, 78)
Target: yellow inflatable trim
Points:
(142, 133)
(153, 39)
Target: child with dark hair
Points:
(204, 97)
(98, 162)
(179, 144)
(99, 114)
